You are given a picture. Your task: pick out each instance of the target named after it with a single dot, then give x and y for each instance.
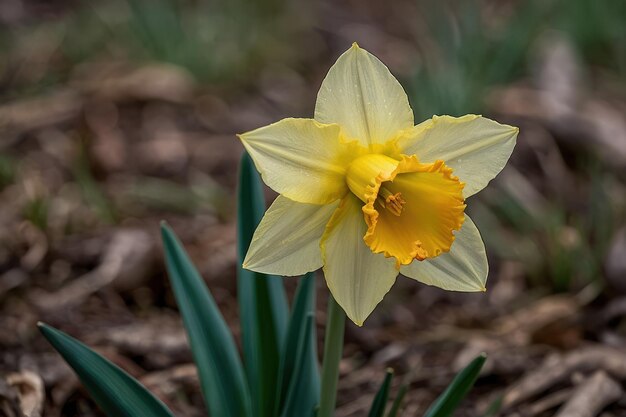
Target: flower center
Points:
(411, 209)
(366, 174)
(392, 202)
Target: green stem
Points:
(333, 349)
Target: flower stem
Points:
(333, 349)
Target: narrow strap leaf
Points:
(397, 402)
(303, 392)
(447, 402)
(262, 301)
(380, 400)
(221, 374)
(298, 332)
(116, 393)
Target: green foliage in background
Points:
(7, 170)
(562, 248)
(36, 211)
(215, 41)
(223, 42)
(464, 55)
(91, 189)
(597, 30)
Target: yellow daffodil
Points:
(366, 195)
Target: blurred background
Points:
(115, 115)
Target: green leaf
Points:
(117, 393)
(303, 392)
(494, 407)
(215, 352)
(262, 301)
(447, 402)
(397, 402)
(299, 383)
(380, 400)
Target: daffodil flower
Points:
(366, 194)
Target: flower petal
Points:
(476, 148)
(287, 241)
(464, 268)
(360, 94)
(301, 159)
(357, 278)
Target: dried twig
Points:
(589, 359)
(127, 262)
(31, 392)
(28, 115)
(548, 402)
(591, 396)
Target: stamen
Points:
(392, 202)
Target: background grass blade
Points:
(380, 400)
(494, 407)
(215, 352)
(301, 335)
(262, 301)
(397, 402)
(117, 393)
(457, 390)
(303, 391)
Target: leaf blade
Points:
(301, 335)
(450, 399)
(263, 305)
(380, 400)
(302, 393)
(219, 367)
(116, 393)
(397, 402)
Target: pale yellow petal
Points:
(357, 278)
(476, 148)
(302, 159)
(361, 95)
(464, 268)
(287, 241)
